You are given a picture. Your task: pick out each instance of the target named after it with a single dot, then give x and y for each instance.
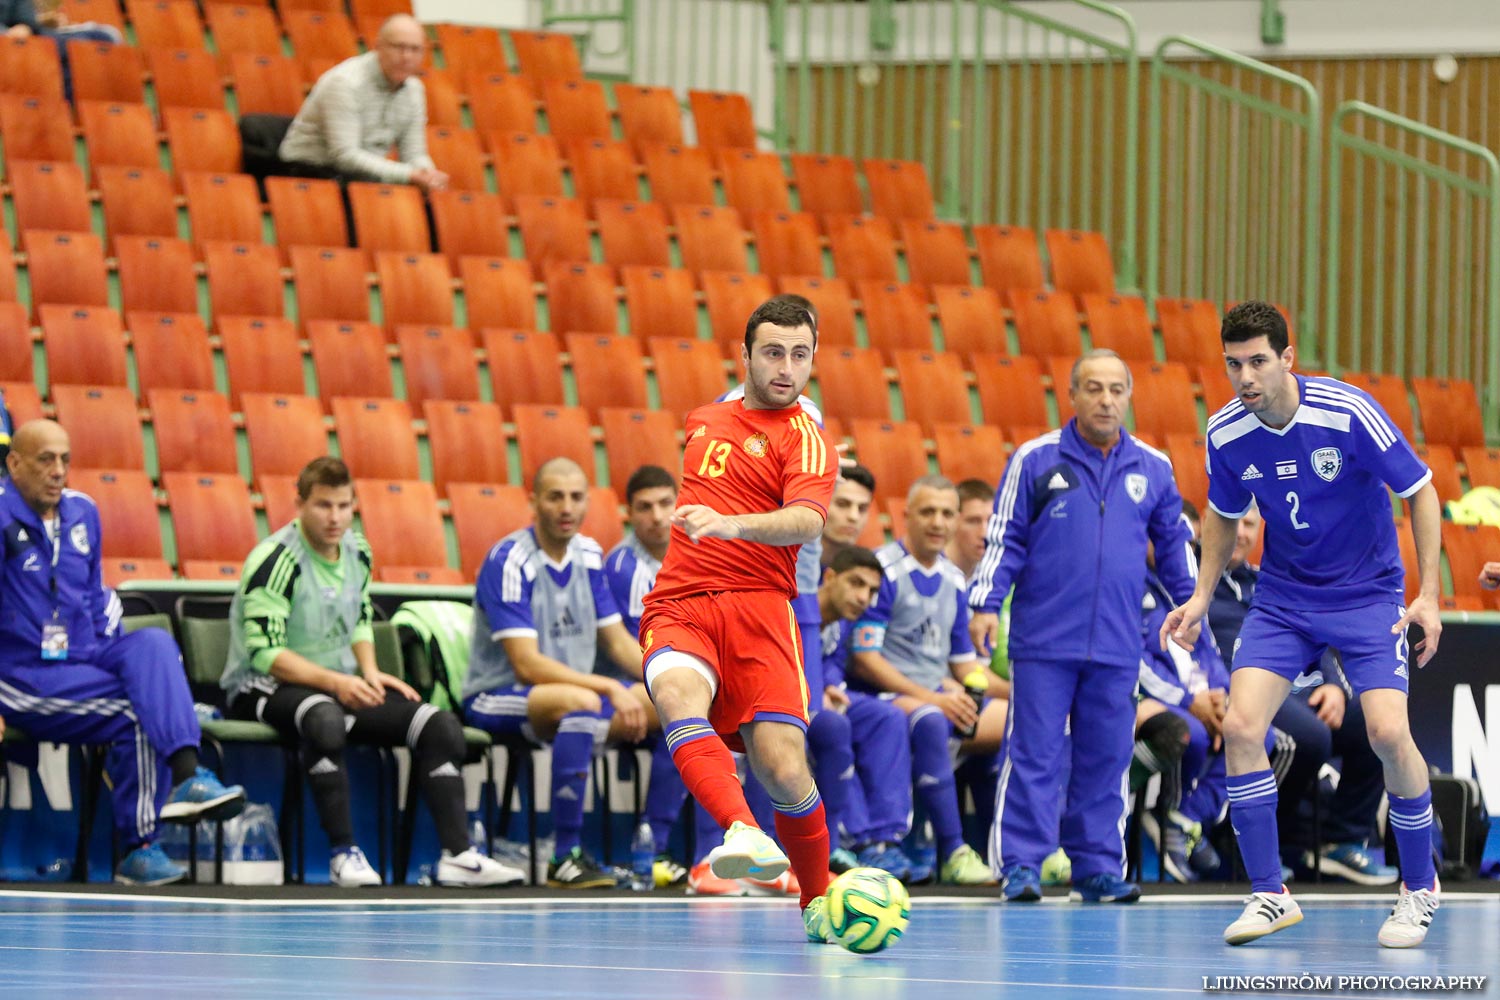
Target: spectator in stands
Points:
(302, 659)
(7, 426)
(975, 498)
(542, 612)
(1073, 516)
(1489, 576)
(67, 673)
(853, 496)
(23, 19)
(914, 644)
(362, 107)
(1325, 723)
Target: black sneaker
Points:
(576, 870)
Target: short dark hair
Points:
(1249, 320)
(789, 311)
(855, 557)
(1190, 511)
(975, 489)
(859, 474)
(648, 477)
(325, 471)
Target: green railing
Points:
(1232, 180)
(1413, 251)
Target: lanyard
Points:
(56, 539)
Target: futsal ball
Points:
(867, 909)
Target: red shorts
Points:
(750, 639)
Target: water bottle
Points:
(57, 870)
(206, 713)
(478, 838)
(642, 859)
(975, 685)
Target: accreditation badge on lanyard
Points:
(54, 632)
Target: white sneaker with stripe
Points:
(1407, 925)
(1265, 913)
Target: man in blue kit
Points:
(68, 674)
(1316, 456)
(1072, 517)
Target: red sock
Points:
(805, 840)
(708, 771)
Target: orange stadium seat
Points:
(899, 189)
(648, 114)
(29, 66)
(127, 510)
(103, 71)
(1483, 466)
(660, 302)
(212, 517)
(1061, 370)
(602, 520)
(786, 244)
(633, 438)
(1390, 392)
(103, 424)
(498, 292)
(966, 451)
(244, 279)
(23, 401)
(1120, 323)
(689, 374)
(51, 196)
(327, 35)
(852, 384)
(893, 452)
(936, 253)
(85, 346)
(349, 359)
(380, 9)
(243, 29)
(66, 269)
(754, 182)
(526, 164)
(722, 120)
(710, 238)
(500, 103)
(602, 169)
(576, 109)
(1046, 323)
(1187, 453)
(222, 207)
(546, 55)
(185, 78)
(581, 298)
(679, 175)
(401, 522)
(523, 367)
(484, 513)
(34, 128)
(15, 344)
(608, 371)
(1081, 261)
(101, 11)
(444, 98)
(1450, 412)
(266, 84)
(422, 576)
(827, 185)
(469, 224)
(375, 437)
(633, 234)
(933, 387)
(834, 303)
(307, 212)
(1008, 257)
(1010, 390)
(466, 443)
(166, 24)
(1190, 331)
(284, 432)
(260, 355)
(171, 351)
(438, 362)
(388, 217)
(1468, 547)
(215, 570)
(469, 48)
(896, 316)
(8, 286)
(156, 275)
(1163, 400)
(455, 150)
(414, 288)
(546, 432)
(137, 201)
(863, 246)
(553, 230)
(731, 298)
(118, 571)
(1444, 465)
(194, 431)
(204, 139)
(330, 284)
(971, 319)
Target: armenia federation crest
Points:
(1327, 462)
(1135, 486)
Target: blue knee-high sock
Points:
(981, 776)
(1252, 811)
(572, 750)
(832, 752)
(932, 770)
(664, 795)
(1411, 819)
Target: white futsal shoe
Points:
(349, 869)
(747, 852)
(472, 870)
(1407, 925)
(1265, 913)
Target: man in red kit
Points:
(723, 650)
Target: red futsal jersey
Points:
(742, 461)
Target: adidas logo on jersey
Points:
(1057, 482)
(1250, 473)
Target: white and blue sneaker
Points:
(1104, 888)
(473, 870)
(348, 868)
(1352, 862)
(747, 852)
(203, 796)
(149, 865)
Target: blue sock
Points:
(1252, 813)
(1411, 821)
(572, 751)
(932, 769)
(664, 795)
(832, 752)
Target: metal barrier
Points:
(1413, 251)
(1232, 180)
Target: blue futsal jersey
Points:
(1320, 483)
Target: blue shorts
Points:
(1287, 642)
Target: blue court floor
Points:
(108, 946)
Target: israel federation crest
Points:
(79, 536)
(1135, 486)
(1327, 462)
